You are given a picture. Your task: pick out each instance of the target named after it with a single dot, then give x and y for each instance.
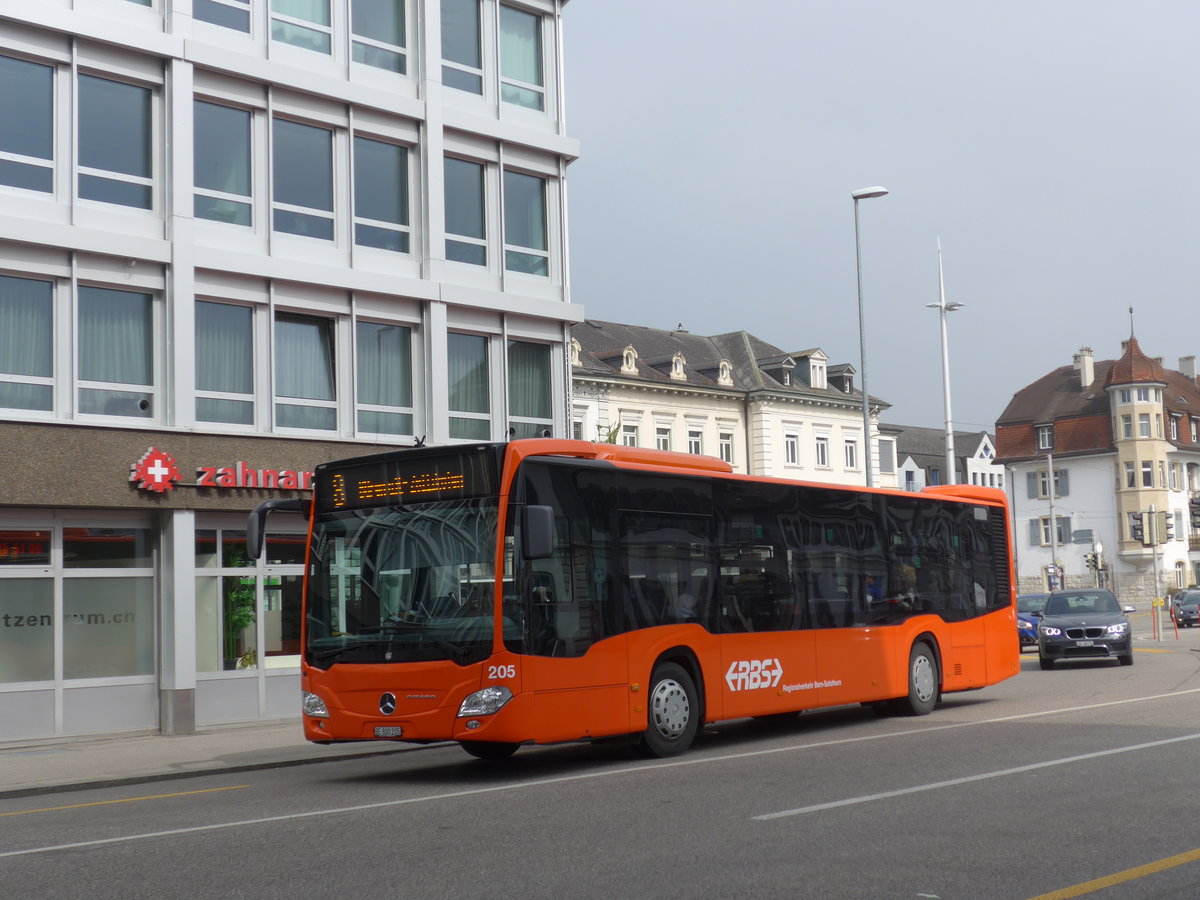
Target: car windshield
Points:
(402, 585)
(1031, 603)
(1075, 602)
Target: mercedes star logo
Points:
(387, 703)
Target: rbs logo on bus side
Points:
(753, 674)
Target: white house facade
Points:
(1104, 459)
(732, 396)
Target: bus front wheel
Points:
(489, 749)
(922, 681)
(674, 712)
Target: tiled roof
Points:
(1134, 367)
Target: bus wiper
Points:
(456, 652)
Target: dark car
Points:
(1185, 608)
(1029, 610)
(1084, 624)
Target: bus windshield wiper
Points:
(454, 650)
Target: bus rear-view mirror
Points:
(537, 532)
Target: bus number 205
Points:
(495, 673)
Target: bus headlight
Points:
(314, 706)
(485, 702)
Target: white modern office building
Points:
(238, 238)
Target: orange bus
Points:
(547, 590)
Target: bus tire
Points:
(489, 749)
(923, 681)
(673, 713)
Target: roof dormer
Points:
(629, 358)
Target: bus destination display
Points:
(397, 481)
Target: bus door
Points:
(574, 655)
(767, 658)
(852, 606)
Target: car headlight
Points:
(1118, 628)
(314, 706)
(485, 702)
(1024, 623)
(1050, 630)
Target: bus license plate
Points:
(388, 731)
(1077, 644)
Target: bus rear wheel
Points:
(674, 712)
(923, 681)
(489, 749)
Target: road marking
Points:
(586, 776)
(983, 776)
(27, 812)
(1099, 884)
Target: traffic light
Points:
(1090, 560)
(1137, 527)
(1167, 531)
(1194, 507)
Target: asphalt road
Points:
(1080, 781)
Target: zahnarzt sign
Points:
(157, 471)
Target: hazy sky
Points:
(1052, 145)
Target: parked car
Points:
(1084, 624)
(1185, 608)
(1029, 610)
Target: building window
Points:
(303, 180)
(1147, 474)
(530, 407)
(521, 78)
(1126, 395)
(381, 195)
(224, 363)
(1195, 431)
(115, 147)
(1158, 425)
(470, 404)
(305, 393)
(1174, 428)
(791, 449)
(221, 160)
(1043, 484)
(1144, 425)
(822, 452)
(577, 429)
(233, 14)
(1045, 437)
(1127, 426)
(378, 29)
(462, 57)
(1143, 395)
(1176, 477)
(725, 446)
(1062, 532)
(851, 451)
(935, 476)
(695, 440)
(116, 352)
(26, 343)
(384, 378)
(887, 456)
(465, 218)
(26, 125)
(525, 245)
(629, 435)
(302, 23)
(1130, 475)
(662, 438)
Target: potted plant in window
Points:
(239, 615)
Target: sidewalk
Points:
(34, 767)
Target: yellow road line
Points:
(26, 812)
(1099, 884)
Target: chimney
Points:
(1187, 365)
(1083, 362)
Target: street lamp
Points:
(943, 307)
(864, 194)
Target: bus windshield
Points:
(409, 584)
